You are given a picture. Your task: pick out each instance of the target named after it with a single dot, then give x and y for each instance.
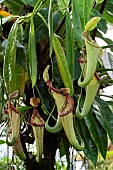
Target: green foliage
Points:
(104, 115)
(16, 6)
(2, 142)
(100, 135)
(90, 149)
(6, 163)
(29, 2)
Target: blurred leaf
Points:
(2, 142)
(90, 149)
(104, 116)
(30, 2)
(4, 20)
(23, 108)
(16, 6)
(64, 148)
(110, 103)
(108, 16)
(99, 1)
(109, 5)
(107, 59)
(98, 133)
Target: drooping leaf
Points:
(104, 116)
(69, 45)
(32, 52)
(10, 59)
(16, 75)
(62, 64)
(98, 133)
(90, 149)
(107, 59)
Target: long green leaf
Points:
(90, 149)
(10, 58)
(98, 133)
(104, 116)
(62, 64)
(69, 45)
(32, 52)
